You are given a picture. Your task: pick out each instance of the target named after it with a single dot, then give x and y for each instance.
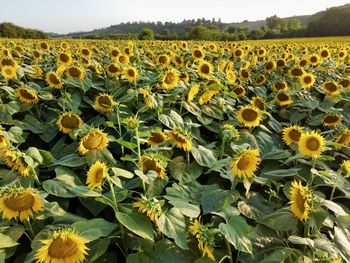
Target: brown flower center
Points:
(197, 53)
(64, 57)
(26, 94)
(244, 162)
(99, 175)
(330, 86)
(205, 69)
(113, 68)
(20, 202)
(331, 119)
(259, 104)
(105, 101)
(54, 79)
(70, 121)
(294, 135)
(249, 115)
(312, 144)
(169, 78)
(93, 141)
(62, 248)
(74, 72)
(300, 201)
(150, 164)
(307, 79)
(282, 97)
(157, 137)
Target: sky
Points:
(64, 16)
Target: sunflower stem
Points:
(222, 148)
(229, 251)
(312, 174)
(120, 129)
(335, 185)
(139, 156)
(188, 157)
(31, 232)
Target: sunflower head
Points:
(20, 203)
(96, 175)
(149, 206)
(131, 74)
(311, 144)
(283, 99)
(113, 70)
(155, 163)
(258, 102)
(245, 164)
(230, 76)
(9, 72)
(205, 69)
(180, 139)
(170, 79)
(207, 96)
(307, 80)
(37, 72)
(292, 134)
(156, 138)
(75, 72)
(343, 138)
(15, 160)
(64, 58)
(53, 80)
(104, 103)
(27, 95)
(193, 92)
(300, 203)
(62, 246)
(331, 88)
(93, 140)
(249, 116)
(332, 120)
(230, 132)
(67, 122)
(280, 86)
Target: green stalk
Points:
(229, 251)
(222, 148)
(120, 128)
(335, 185)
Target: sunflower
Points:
(113, 70)
(346, 166)
(307, 80)
(244, 74)
(332, 120)
(207, 96)
(343, 138)
(53, 80)
(123, 59)
(85, 52)
(9, 72)
(230, 76)
(75, 72)
(325, 53)
(114, 52)
(270, 66)
(342, 54)
(15, 160)
(149, 162)
(314, 60)
(180, 140)
(292, 134)
(249, 116)
(93, 140)
(147, 97)
(104, 103)
(283, 99)
(44, 46)
(96, 175)
(156, 138)
(27, 95)
(205, 69)
(20, 203)
(239, 91)
(331, 88)
(37, 72)
(193, 92)
(67, 122)
(280, 63)
(300, 200)
(345, 83)
(311, 144)
(260, 80)
(280, 86)
(63, 246)
(163, 60)
(64, 58)
(258, 102)
(230, 132)
(198, 53)
(205, 238)
(149, 206)
(170, 79)
(245, 164)
(131, 74)
(4, 143)
(296, 72)
(184, 77)
(36, 54)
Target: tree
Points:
(146, 33)
(273, 22)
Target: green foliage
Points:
(10, 30)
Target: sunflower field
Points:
(176, 152)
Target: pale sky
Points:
(63, 16)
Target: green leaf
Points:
(94, 228)
(35, 154)
(136, 223)
(139, 258)
(183, 172)
(281, 173)
(71, 160)
(122, 172)
(98, 249)
(173, 225)
(280, 220)
(236, 231)
(6, 241)
(216, 199)
(172, 120)
(203, 156)
(57, 188)
(301, 241)
(276, 154)
(342, 240)
(186, 208)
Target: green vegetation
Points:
(12, 31)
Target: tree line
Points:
(10, 30)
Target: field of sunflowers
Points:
(176, 152)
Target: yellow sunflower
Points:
(4, 143)
(27, 95)
(156, 138)
(75, 72)
(292, 134)
(64, 58)
(104, 103)
(151, 207)
(153, 163)
(180, 140)
(63, 246)
(258, 102)
(311, 144)
(331, 88)
(170, 79)
(280, 86)
(260, 80)
(332, 120)
(343, 138)
(239, 91)
(307, 80)
(37, 72)
(207, 96)
(193, 92)
(20, 203)
(230, 76)
(300, 200)
(67, 122)
(283, 99)
(163, 60)
(113, 70)
(346, 166)
(131, 74)
(249, 116)
(94, 140)
(204, 237)
(15, 160)
(53, 80)
(205, 69)
(96, 175)
(245, 164)
(198, 53)
(345, 83)
(147, 97)
(123, 59)
(296, 72)
(9, 72)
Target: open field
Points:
(150, 151)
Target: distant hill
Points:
(10, 30)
